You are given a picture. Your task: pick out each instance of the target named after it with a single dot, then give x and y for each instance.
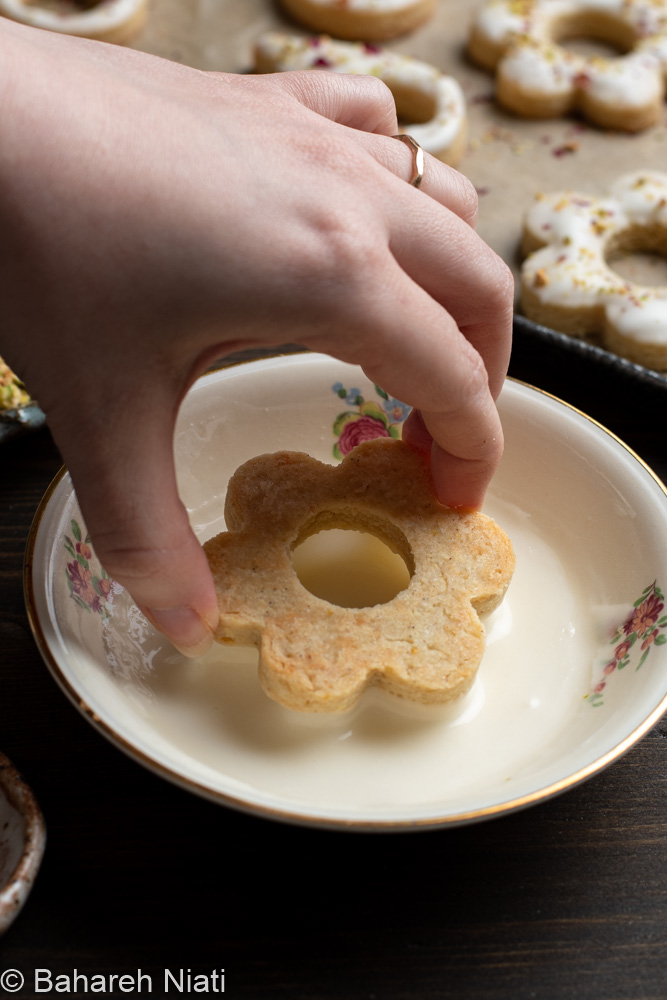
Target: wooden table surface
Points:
(565, 900)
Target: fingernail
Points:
(184, 627)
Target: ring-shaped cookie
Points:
(431, 102)
(361, 20)
(538, 78)
(115, 21)
(568, 285)
(424, 645)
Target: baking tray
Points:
(508, 159)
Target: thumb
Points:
(126, 486)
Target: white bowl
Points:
(575, 669)
(22, 840)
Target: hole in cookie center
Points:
(640, 256)
(350, 568)
(412, 105)
(593, 36)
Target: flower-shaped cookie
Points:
(425, 644)
(538, 78)
(361, 20)
(568, 285)
(421, 91)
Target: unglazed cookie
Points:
(425, 644)
(567, 284)
(424, 95)
(538, 78)
(106, 21)
(361, 20)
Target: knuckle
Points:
(133, 556)
(370, 95)
(498, 287)
(474, 386)
(125, 563)
(348, 254)
(376, 91)
(474, 396)
(372, 100)
(354, 256)
(467, 197)
(504, 283)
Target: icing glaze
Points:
(570, 271)
(519, 37)
(108, 20)
(440, 135)
(367, 6)
(361, 20)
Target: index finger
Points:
(454, 414)
(417, 353)
(460, 481)
(442, 254)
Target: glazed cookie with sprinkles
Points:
(566, 282)
(361, 20)
(116, 21)
(424, 95)
(536, 77)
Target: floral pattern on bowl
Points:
(369, 419)
(128, 640)
(90, 587)
(644, 625)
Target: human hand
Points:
(156, 217)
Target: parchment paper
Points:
(508, 159)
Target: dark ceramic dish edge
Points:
(572, 347)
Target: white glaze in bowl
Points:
(563, 688)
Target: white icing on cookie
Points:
(361, 20)
(570, 274)
(367, 6)
(107, 20)
(520, 36)
(439, 135)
